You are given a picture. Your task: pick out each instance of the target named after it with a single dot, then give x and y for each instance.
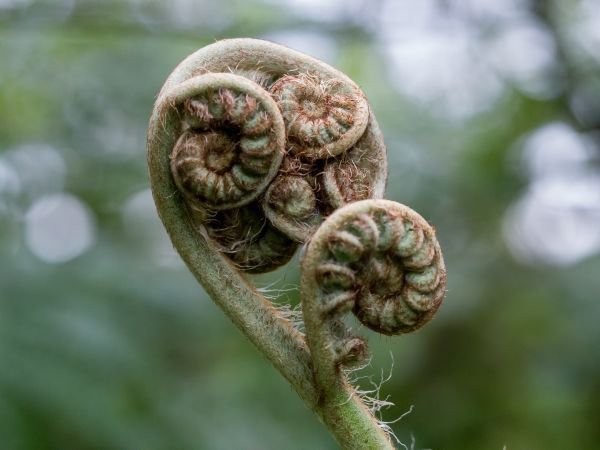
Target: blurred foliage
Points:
(107, 342)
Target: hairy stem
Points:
(250, 311)
(274, 336)
(343, 412)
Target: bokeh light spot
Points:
(58, 228)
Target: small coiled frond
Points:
(232, 145)
(323, 118)
(380, 260)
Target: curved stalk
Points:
(378, 259)
(274, 336)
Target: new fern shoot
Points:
(254, 150)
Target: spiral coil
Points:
(380, 260)
(232, 145)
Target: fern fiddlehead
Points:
(253, 149)
(378, 259)
(232, 141)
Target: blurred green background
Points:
(491, 112)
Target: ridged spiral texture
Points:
(248, 123)
(381, 260)
(335, 153)
(305, 191)
(231, 147)
(323, 118)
